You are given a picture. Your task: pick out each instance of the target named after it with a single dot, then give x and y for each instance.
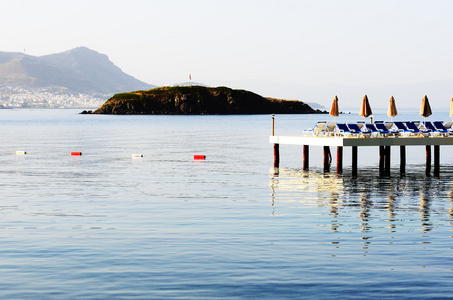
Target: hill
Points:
(194, 100)
(79, 70)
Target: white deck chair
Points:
(329, 130)
(319, 127)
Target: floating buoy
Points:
(137, 155)
(76, 153)
(199, 157)
(21, 152)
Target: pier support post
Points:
(436, 160)
(306, 157)
(381, 160)
(339, 160)
(428, 160)
(402, 160)
(276, 155)
(354, 160)
(327, 158)
(387, 161)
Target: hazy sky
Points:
(270, 47)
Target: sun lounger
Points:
(319, 127)
(374, 131)
(330, 129)
(429, 126)
(355, 128)
(380, 129)
(343, 129)
(372, 128)
(409, 128)
(350, 129)
(384, 130)
(401, 128)
(440, 126)
(415, 130)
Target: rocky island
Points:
(198, 100)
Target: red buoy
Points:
(76, 153)
(199, 157)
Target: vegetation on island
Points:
(196, 100)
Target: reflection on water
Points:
(368, 203)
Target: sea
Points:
(107, 225)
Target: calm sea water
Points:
(108, 226)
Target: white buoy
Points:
(21, 152)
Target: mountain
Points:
(80, 70)
(199, 100)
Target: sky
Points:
(293, 49)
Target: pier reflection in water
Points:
(409, 209)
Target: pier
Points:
(385, 143)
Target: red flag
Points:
(190, 77)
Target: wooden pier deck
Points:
(384, 144)
(341, 141)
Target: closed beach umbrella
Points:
(334, 110)
(391, 112)
(451, 108)
(425, 109)
(365, 110)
